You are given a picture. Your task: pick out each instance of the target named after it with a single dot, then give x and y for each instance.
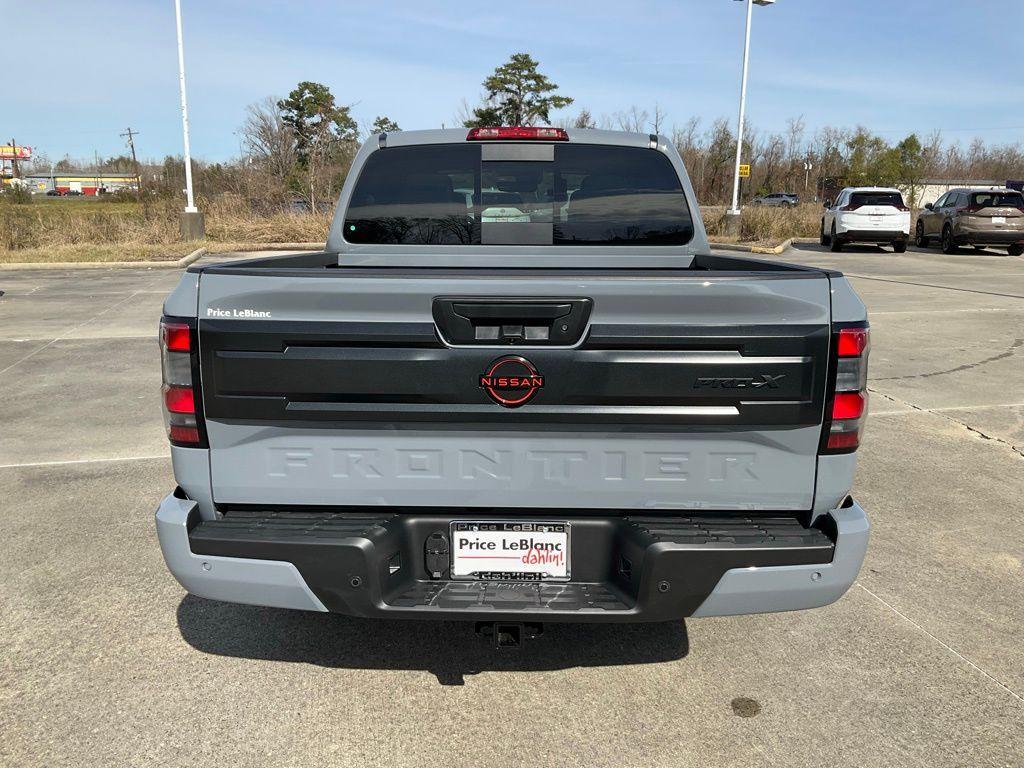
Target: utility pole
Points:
(130, 134)
(14, 158)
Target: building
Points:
(930, 190)
(84, 182)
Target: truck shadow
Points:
(448, 650)
(866, 249)
(850, 248)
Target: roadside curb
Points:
(780, 248)
(176, 264)
(197, 254)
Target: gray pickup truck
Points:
(515, 387)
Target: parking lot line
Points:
(71, 330)
(84, 461)
(931, 285)
(90, 338)
(941, 311)
(30, 354)
(946, 408)
(945, 645)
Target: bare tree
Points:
(269, 143)
(691, 148)
(584, 120)
(634, 120)
(658, 119)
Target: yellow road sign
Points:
(744, 171)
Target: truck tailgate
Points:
(686, 389)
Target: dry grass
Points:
(97, 230)
(762, 225)
(231, 220)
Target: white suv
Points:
(866, 215)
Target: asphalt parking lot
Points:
(105, 661)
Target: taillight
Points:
(850, 207)
(901, 207)
(971, 209)
(517, 133)
(848, 401)
(179, 362)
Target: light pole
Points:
(733, 214)
(192, 224)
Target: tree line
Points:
(295, 151)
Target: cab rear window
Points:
(997, 200)
(894, 199)
(448, 194)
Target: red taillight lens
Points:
(850, 207)
(971, 209)
(182, 405)
(185, 435)
(176, 337)
(845, 423)
(848, 405)
(517, 133)
(901, 208)
(844, 441)
(852, 342)
(179, 399)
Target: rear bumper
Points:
(625, 568)
(963, 236)
(873, 235)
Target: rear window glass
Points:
(446, 194)
(877, 198)
(997, 200)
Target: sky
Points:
(78, 73)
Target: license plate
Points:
(875, 217)
(998, 219)
(510, 551)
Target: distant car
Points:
(53, 193)
(777, 199)
(866, 215)
(976, 216)
(74, 193)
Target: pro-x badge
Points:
(511, 381)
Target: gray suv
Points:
(778, 200)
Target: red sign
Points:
(7, 152)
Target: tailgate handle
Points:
(536, 322)
(525, 312)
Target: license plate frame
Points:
(537, 531)
(998, 219)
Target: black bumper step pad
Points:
(266, 526)
(734, 531)
(499, 596)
